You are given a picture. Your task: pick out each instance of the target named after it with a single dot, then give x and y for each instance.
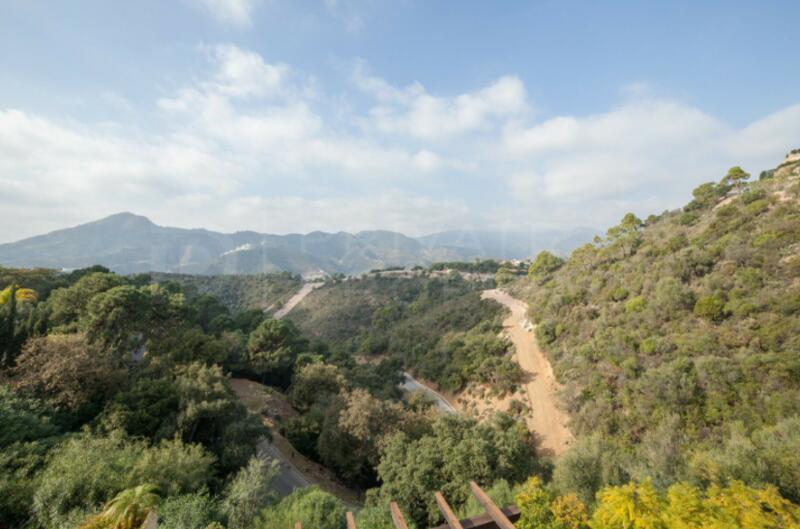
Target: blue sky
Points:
(419, 116)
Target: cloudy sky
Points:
(418, 116)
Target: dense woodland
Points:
(675, 338)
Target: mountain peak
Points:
(124, 216)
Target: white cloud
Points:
(646, 155)
(254, 144)
(414, 112)
(235, 12)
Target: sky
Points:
(413, 115)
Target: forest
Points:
(675, 338)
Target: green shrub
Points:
(710, 307)
(636, 304)
(619, 293)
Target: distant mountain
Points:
(485, 244)
(128, 243)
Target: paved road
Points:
(547, 421)
(305, 290)
(289, 477)
(411, 384)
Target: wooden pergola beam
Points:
(397, 516)
(491, 509)
(447, 512)
(351, 521)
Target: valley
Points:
(659, 361)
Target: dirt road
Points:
(305, 290)
(547, 421)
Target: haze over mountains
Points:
(128, 243)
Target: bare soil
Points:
(305, 290)
(546, 419)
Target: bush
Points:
(710, 307)
(310, 506)
(636, 304)
(85, 472)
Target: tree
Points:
(84, 472)
(11, 339)
(187, 511)
(117, 319)
(625, 234)
(249, 492)
(640, 506)
(533, 501)
(569, 512)
(705, 195)
(710, 307)
(768, 455)
(210, 413)
(635, 506)
(544, 263)
(67, 372)
(310, 506)
(23, 419)
(504, 275)
(591, 463)
(313, 382)
(130, 508)
(458, 450)
(15, 294)
(736, 177)
(69, 304)
(272, 349)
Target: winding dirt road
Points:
(547, 421)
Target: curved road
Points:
(290, 477)
(547, 420)
(412, 385)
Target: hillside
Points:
(265, 292)
(437, 327)
(677, 339)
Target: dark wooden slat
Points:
(351, 522)
(484, 521)
(397, 516)
(491, 509)
(447, 512)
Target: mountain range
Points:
(128, 243)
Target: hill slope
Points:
(678, 338)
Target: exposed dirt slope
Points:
(297, 298)
(546, 420)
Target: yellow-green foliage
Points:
(683, 506)
(539, 509)
(21, 295)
